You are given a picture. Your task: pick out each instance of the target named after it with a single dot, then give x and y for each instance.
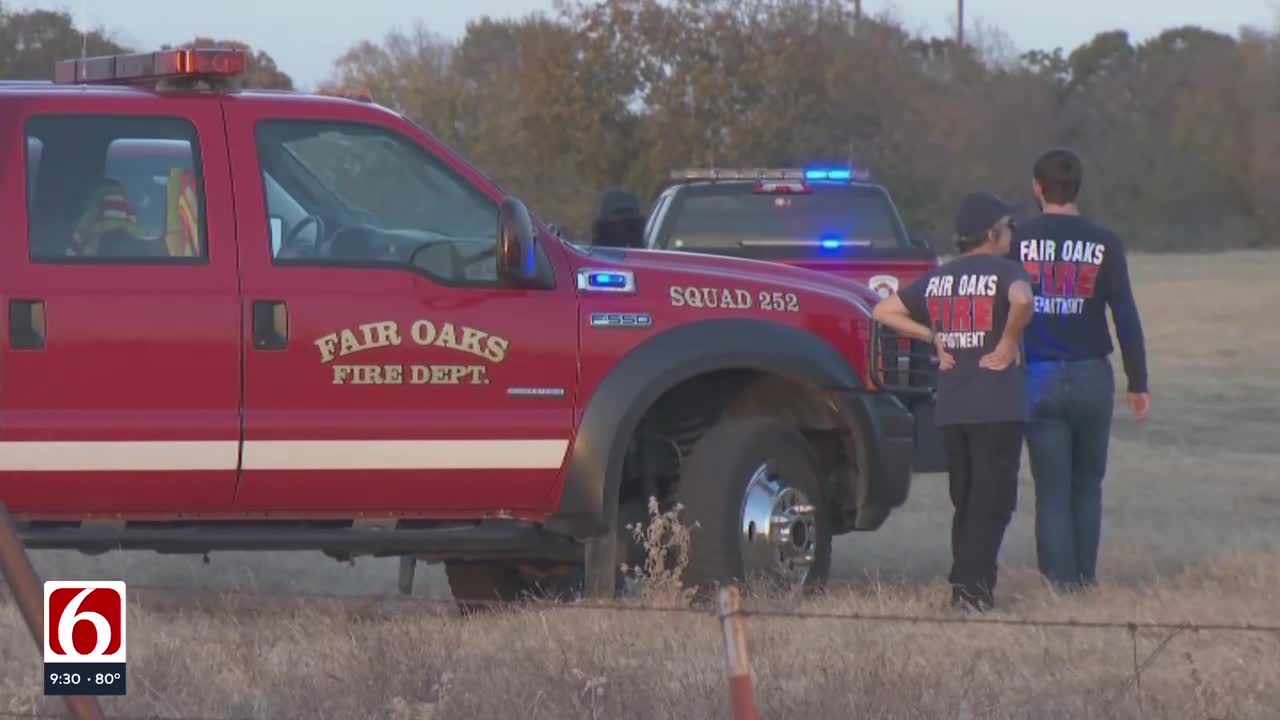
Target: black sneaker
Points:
(971, 603)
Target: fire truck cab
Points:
(250, 319)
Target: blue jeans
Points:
(1068, 432)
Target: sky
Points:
(304, 40)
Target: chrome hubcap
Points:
(779, 530)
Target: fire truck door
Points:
(121, 360)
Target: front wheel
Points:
(752, 485)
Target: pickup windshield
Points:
(828, 222)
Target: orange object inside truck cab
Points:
(182, 214)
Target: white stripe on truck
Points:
(404, 454)
(161, 455)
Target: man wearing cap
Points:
(973, 309)
(1077, 269)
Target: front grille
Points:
(901, 365)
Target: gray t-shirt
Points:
(966, 301)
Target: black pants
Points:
(983, 460)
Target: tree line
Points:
(1178, 133)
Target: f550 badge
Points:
(84, 637)
(636, 320)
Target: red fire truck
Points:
(270, 320)
(834, 220)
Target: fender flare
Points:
(594, 476)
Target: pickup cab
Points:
(273, 320)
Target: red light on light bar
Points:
(772, 186)
(221, 62)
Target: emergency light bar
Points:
(833, 174)
(360, 95)
(165, 64)
(826, 243)
(751, 174)
(837, 174)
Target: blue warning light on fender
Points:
(607, 280)
(616, 281)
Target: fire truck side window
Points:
(114, 189)
(354, 195)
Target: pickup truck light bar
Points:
(826, 243)
(359, 94)
(152, 66)
(840, 174)
(741, 174)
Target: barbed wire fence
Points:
(730, 612)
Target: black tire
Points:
(713, 482)
(478, 586)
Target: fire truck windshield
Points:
(825, 220)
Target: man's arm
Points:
(1124, 312)
(893, 313)
(900, 310)
(1021, 306)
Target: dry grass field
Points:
(1191, 536)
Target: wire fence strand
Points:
(16, 715)
(360, 602)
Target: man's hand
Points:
(945, 360)
(1140, 403)
(1006, 354)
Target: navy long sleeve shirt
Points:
(1078, 268)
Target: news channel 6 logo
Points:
(84, 637)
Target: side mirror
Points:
(517, 255)
(619, 220)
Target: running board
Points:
(484, 540)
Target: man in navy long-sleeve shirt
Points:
(1078, 269)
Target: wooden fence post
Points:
(741, 696)
(25, 585)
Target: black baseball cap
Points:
(979, 212)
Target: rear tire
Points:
(481, 585)
(753, 487)
(477, 586)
